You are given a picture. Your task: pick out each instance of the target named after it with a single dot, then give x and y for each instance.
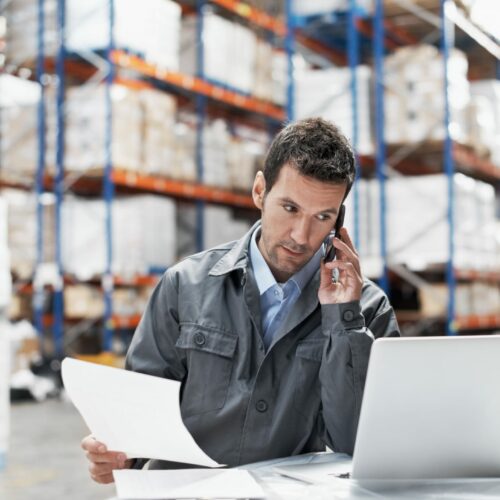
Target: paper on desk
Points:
(136, 414)
(318, 472)
(186, 483)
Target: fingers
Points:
(90, 444)
(325, 276)
(344, 235)
(111, 457)
(346, 250)
(102, 461)
(104, 479)
(348, 267)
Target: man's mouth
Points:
(292, 252)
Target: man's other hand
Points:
(102, 461)
(350, 282)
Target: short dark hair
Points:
(316, 148)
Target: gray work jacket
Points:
(202, 326)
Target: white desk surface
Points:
(278, 487)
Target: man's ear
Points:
(259, 189)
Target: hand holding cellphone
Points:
(329, 250)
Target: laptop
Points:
(431, 410)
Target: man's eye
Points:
(290, 208)
(324, 217)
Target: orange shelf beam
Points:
(125, 321)
(256, 16)
(335, 56)
(473, 275)
(365, 27)
(181, 189)
(198, 86)
(116, 322)
(476, 322)
(145, 280)
(470, 161)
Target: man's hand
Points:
(102, 461)
(348, 288)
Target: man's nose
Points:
(300, 232)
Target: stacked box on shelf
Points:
(279, 71)
(368, 245)
(159, 141)
(233, 56)
(86, 301)
(22, 231)
(216, 141)
(263, 75)
(229, 51)
(22, 30)
(417, 222)
(137, 243)
(327, 93)
(481, 299)
(414, 97)
(5, 291)
(5, 280)
(19, 101)
(184, 165)
(246, 154)
(308, 8)
(85, 128)
(150, 29)
(219, 226)
(486, 122)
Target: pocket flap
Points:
(312, 350)
(208, 340)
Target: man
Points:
(271, 351)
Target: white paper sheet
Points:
(136, 414)
(318, 472)
(191, 483)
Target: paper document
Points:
(136, 414)
(191, 483)
(318, 472)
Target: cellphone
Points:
(328, 249)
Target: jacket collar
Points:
(237, 257)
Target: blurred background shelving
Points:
(131, 133)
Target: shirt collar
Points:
(263, 275)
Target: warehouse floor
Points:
(45, 460)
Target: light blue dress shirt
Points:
(277, 299)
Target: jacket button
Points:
(199, 339)
(261, 406)
(348, 315)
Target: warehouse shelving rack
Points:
(386, 35)
(458, 158)
(113, 178)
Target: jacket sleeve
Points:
(152, 350)
(350, 330)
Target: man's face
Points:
(297, 214)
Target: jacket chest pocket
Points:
(307, 396)
(209, 355)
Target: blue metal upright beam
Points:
(59, 177)
(40, 76)
(353, 58)
(201, 111)
(108, 187)
(449, 168)
(380, 154)
(290, 49)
